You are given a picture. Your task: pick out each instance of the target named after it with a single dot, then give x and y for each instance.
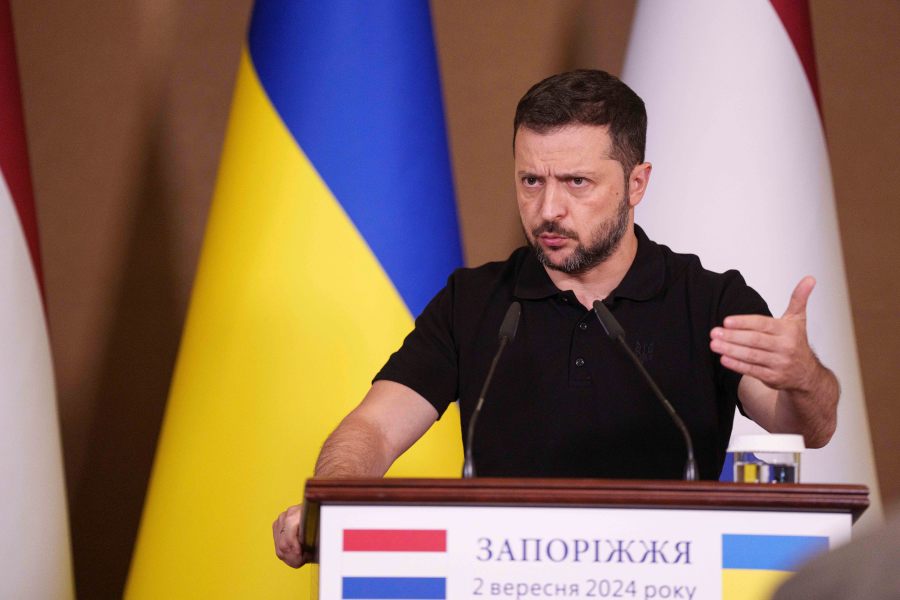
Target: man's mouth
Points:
(552, 236)
(553, 240)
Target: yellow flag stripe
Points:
(291, 316)
(751, 584)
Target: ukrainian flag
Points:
(333, 223)
(753, 566)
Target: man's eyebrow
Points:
(585, 174)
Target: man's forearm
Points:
(355, 449)
(812, 410)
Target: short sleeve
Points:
(427, 362)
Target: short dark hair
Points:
(588, 97)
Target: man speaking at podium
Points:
(565, 400)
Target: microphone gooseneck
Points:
(508, 329)
(615, 332)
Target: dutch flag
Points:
(400, 546)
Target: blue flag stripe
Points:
(368, 113)
(769, 552)
(394, 588)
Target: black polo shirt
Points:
(565, 400)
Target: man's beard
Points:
(604, 241)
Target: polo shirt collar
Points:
(644, 280)
(647, 274)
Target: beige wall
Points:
(126, 105)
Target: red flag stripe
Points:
(395, 540)
(13, 150)
(794, 15)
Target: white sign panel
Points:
(425, 552)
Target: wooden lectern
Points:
(568, 538)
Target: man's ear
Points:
(638, 180)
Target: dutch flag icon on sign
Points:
(393, 541)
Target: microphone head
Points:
(610, 325)
(510, 322)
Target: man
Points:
(565, 401)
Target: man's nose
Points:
(553, 206)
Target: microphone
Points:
(507, 334)
(616, 333)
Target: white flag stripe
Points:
(34, 555)
(393, 564)
(741, 178)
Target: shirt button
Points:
(582, 326)
(579, 362)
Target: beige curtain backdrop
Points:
(126, 104)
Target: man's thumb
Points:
(799, 297)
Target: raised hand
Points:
(785, 389)
(774, 350)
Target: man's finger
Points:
(751, 322)
(764, 374)
(799, 297)
(745, 337)
(744, 354)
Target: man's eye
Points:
(579, 181)
(530, 181)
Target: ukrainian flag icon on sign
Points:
(753, 566)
